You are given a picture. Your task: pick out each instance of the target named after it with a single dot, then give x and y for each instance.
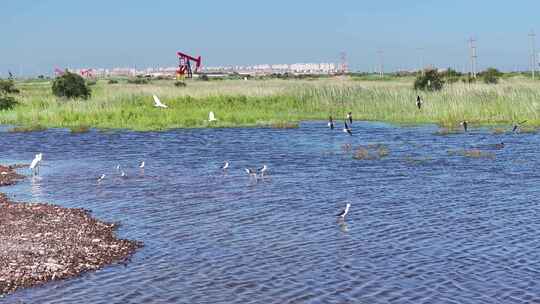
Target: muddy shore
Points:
(42, 242)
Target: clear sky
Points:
(38, 35)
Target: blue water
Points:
(425, 226)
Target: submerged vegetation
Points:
(276, 102)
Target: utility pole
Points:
(421, 51)
(381, 66)
(473, 56)
(532, 37)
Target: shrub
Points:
(8, 87)
(70, 85)
(491, 76)
(430, 81)
(91, 82)
(7, 102)
(113, 81)
(138, 81)
(204, 77)
(180, 84)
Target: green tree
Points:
(430, 81)
(71, 85)
(491, 75)
(8, 87)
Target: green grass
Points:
(274, 102)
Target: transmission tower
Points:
(421, 51)
(532, 37)
(344, 65)
(381, 63)
(473, 55)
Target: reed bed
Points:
(278, 103)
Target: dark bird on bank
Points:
(347, 128)
(330, 123)
(517, 126)
(418, 102)
(465, 125)
(344, 212)
(349, 117)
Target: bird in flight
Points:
(344, 212)
(101, 178)
(419, 102)
(347, 129)
(157, 103)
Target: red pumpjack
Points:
(184, 66)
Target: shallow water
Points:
(425, 226)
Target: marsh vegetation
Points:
(276, 102)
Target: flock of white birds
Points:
(253, 173)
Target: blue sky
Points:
(40, 35)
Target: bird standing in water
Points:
(465, 125)
(330, 123)
(225, 165)
(347, 128)
(517, 126)
(344, 212)
(349, 117)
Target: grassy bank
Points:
(274, 102)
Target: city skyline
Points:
(42, 35)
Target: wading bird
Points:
(347, 129)
(123, 174)
(225, 165)
(419, 102)
(344, 212)
(36, 162)
(211, 117)
(118, 168)
(101, 178)
(349, 117)
(142, 165)
(517, 126)
(251, 172)
(330, 123)
(157, 103)
(262, 170)
(465, 125)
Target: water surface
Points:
(425, 226)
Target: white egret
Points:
(157, 103)
(211, 117)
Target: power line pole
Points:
(421, 51)
(381, 67)
(532, 37)
(473, 56)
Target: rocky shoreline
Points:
(42, 242)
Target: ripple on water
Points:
(424, 227)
